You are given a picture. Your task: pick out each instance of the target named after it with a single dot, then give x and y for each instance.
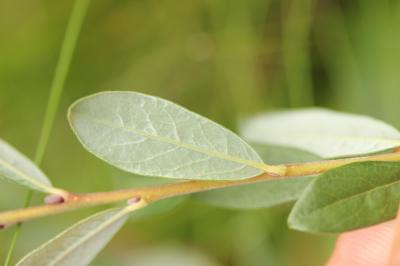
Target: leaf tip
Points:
(306, 224)
(296, 223)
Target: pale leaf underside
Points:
(326, 133)
(17, 168)
(147, 135)
(80, 243)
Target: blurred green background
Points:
(223, 59)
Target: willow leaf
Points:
(17, 168)
(79, 244)
(349, 197)
(150, 136)
(323, 132)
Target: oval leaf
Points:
(257, 195)
(349, 197)
(150, 136)
(17, 168)
(266, 193)
(79, 244)
(274, 154)
(323, 132)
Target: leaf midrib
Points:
(254, 164)
(351, 197)
(82, 240)
(27, 177)
(105, 224)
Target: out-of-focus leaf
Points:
(275, 154)
(171, 255)
(147, 135)
(257, 195)
(323, 132)
(79, 244)
(17, 168)
(349, 197)
(266, 193)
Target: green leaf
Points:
(17, 168)
(79, 244)
(257, 195)
(150, 136)
(349, 197)
(265, 193)
(275, 154)
(323, 132)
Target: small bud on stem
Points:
(134, 200)
(54, 199)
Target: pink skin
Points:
(365, 247)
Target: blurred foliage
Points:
(223, 59)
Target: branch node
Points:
(54, 199)
(133, 200)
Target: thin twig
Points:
(57, 86)
(74, 201)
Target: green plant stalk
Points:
(296, 56)
(74, 201)
(63, 65)
(17, 232)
